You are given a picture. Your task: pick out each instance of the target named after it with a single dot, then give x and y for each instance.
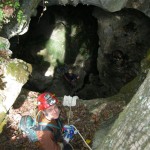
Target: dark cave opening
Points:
(103, 52)
(84, 42)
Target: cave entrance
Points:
(65, 39)
(59, 39)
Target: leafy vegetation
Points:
(2, 84)
(10, 9)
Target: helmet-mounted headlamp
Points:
(46, 100)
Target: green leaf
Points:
(19, 16)
(1, 5)
(16, 5)
(1, 15)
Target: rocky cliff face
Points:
(123, 54)
(122, 45)
(14, 74)
(29, 9)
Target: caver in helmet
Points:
(46, 100)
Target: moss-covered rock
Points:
(19, 70)
(15, 74)
(4, 44)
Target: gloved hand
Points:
(69, 132)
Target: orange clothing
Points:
(47, 137)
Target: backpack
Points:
(29, 126)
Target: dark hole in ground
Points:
(102, 74)
(85, 42)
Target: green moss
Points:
(3, 46)
(2, 116)
(18, 69)
(145, 63)
(3, 121)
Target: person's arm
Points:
(47, 141)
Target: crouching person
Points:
(49, 129)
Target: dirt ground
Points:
(13, 139)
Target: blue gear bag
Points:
(69, 132)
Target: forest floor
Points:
(13, 139)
